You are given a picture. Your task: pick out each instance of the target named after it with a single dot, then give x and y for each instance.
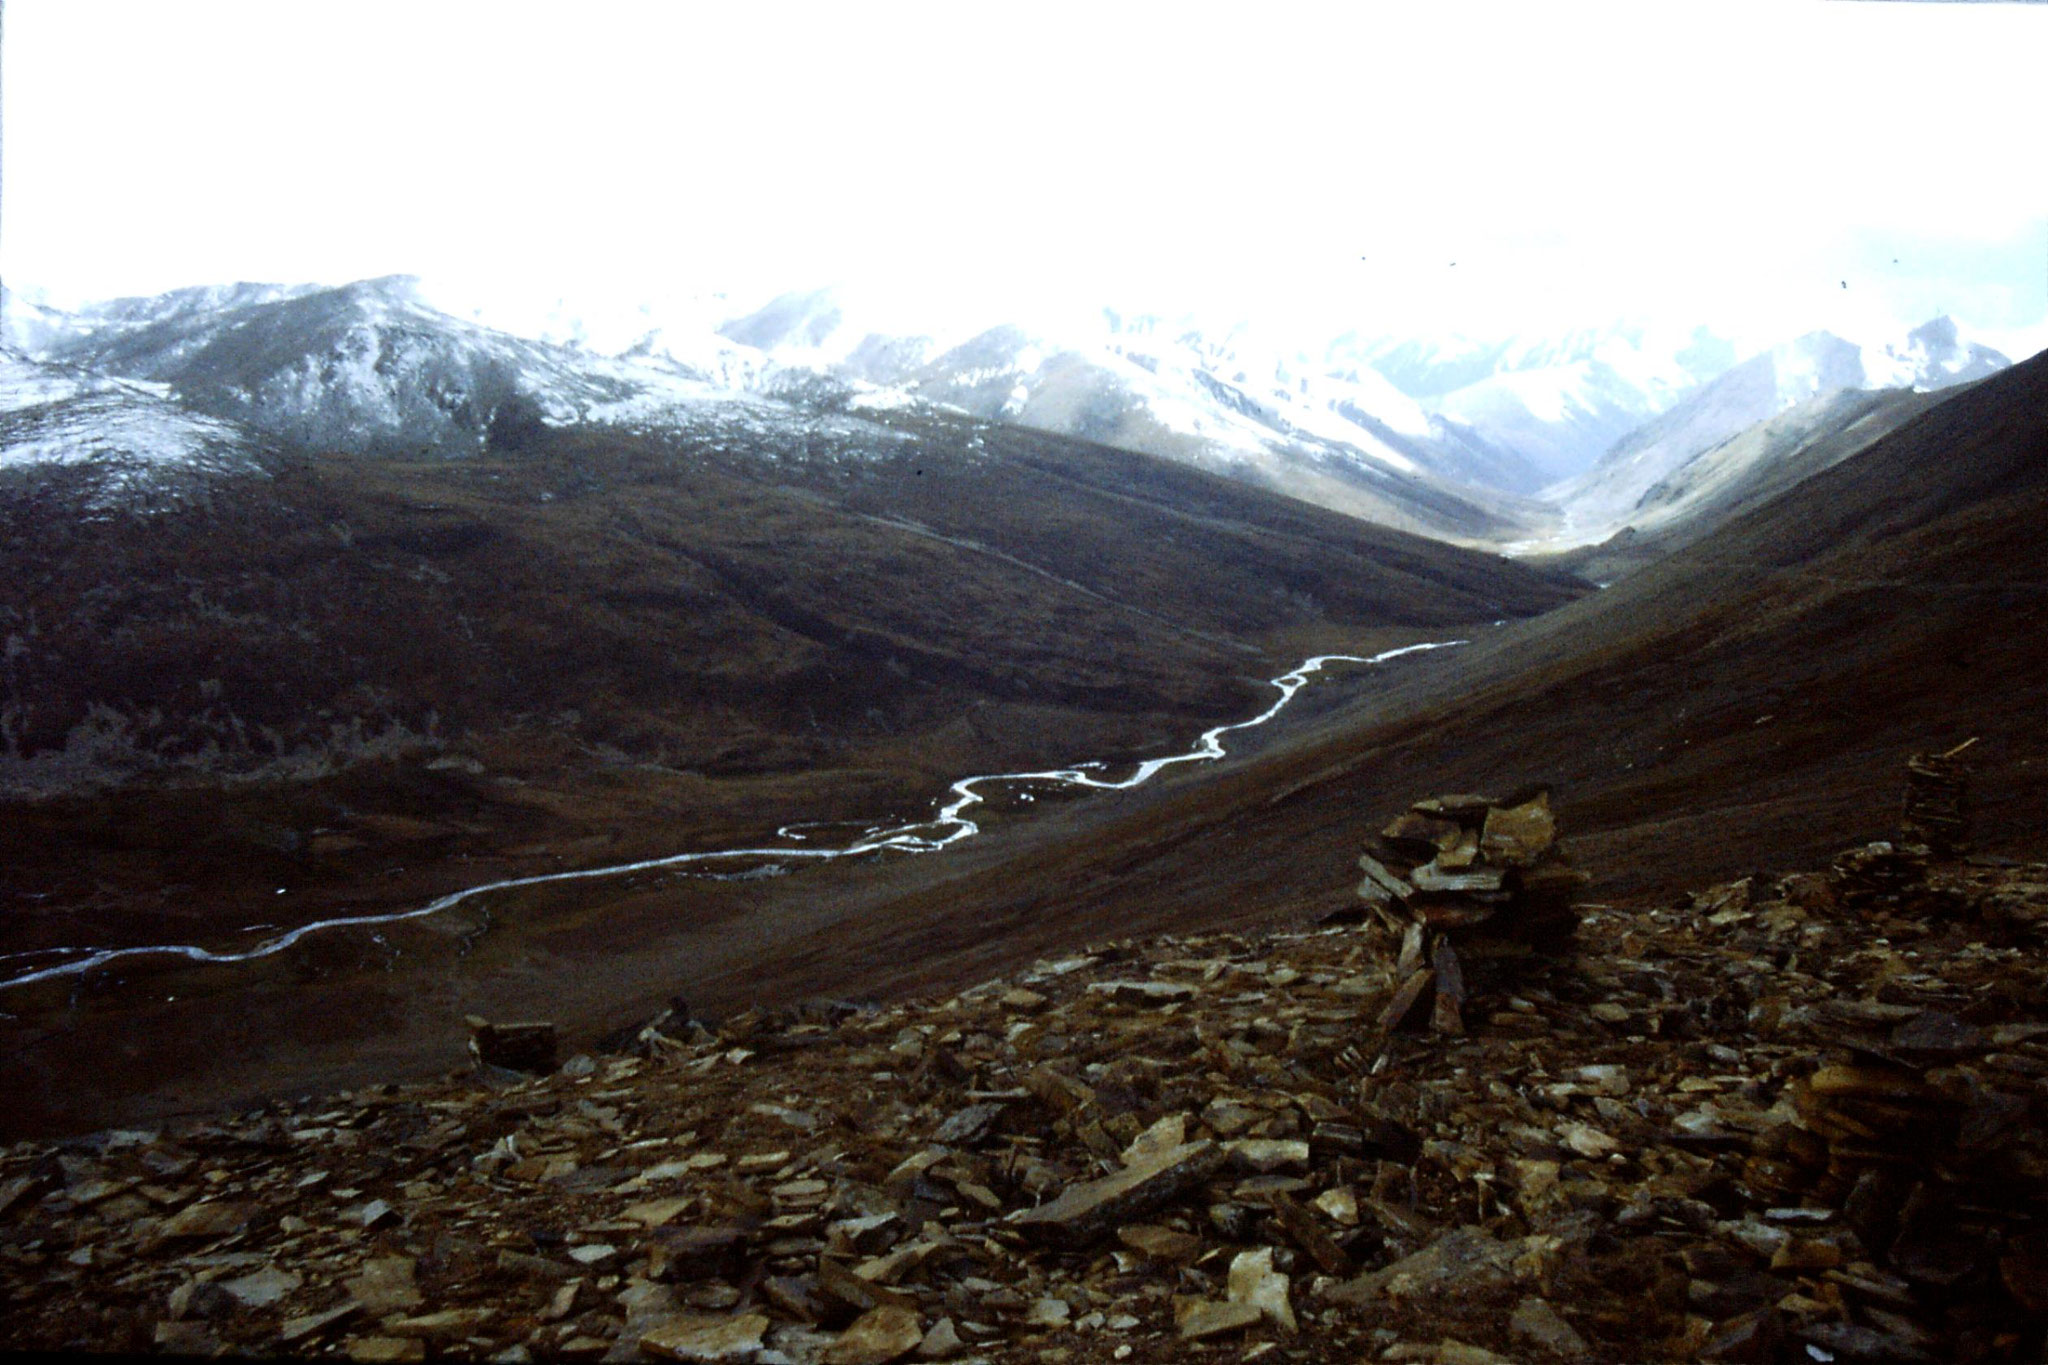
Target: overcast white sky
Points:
(1313, 167)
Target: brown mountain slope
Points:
(1744, 473)
(1740, 702)
(358, 684)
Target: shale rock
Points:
(1464, 879)
(1778, 1117)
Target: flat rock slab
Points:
(1534, 1320)
(1255, 1283)
(263, 1288)
(1431, 877)
(656, 1212)
(1094, 1208)
(1519, 835)
(307, 1324)
(198, 1221)
(968, 1126)
(1197, 1318)
(451, 1322)
(1461, 1262)
(1143, 992)
(696, 1337)
(385, 1285)
(1265, 1155)
(877, 1337)
(1164, 1244)
(1377, 875)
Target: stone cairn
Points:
(1467, 880)
(1937, 810)
(1909, 1128)
(1935, 824)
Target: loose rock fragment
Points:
(703, 1340)
(197, 1222)
(1253, 1281)
(1535, 1321)
(1162, 1244)
(1090, 1210)
(1198, 1318)
(877, 1337)
(308, 1324)
(386, 1351)
(1143, 992)
(942, 1342)
(385, 1285)
(263, 1288)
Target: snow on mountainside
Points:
(370, 367)
(1452, 438)
(1332, 433)
(1933, 356)
(1558, 402)
(376, 367)
(1744, 472)
(128, 441)
(1616, 491)
(1257, 425)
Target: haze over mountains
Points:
(1519, 441)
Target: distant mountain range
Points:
(1521, 441)
(1814, 367)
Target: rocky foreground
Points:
(1793, 1119)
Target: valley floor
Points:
(142, 1038)
(1766, 1116)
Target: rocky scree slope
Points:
(1769, 1115)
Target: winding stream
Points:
(947, 827)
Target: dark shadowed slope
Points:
(1750, 700)
(357, 684)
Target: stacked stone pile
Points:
(1937, 812)
(1467, 881)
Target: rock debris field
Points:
(1784, 1119)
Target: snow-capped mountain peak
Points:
(1794, 373)
(1934, 355)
